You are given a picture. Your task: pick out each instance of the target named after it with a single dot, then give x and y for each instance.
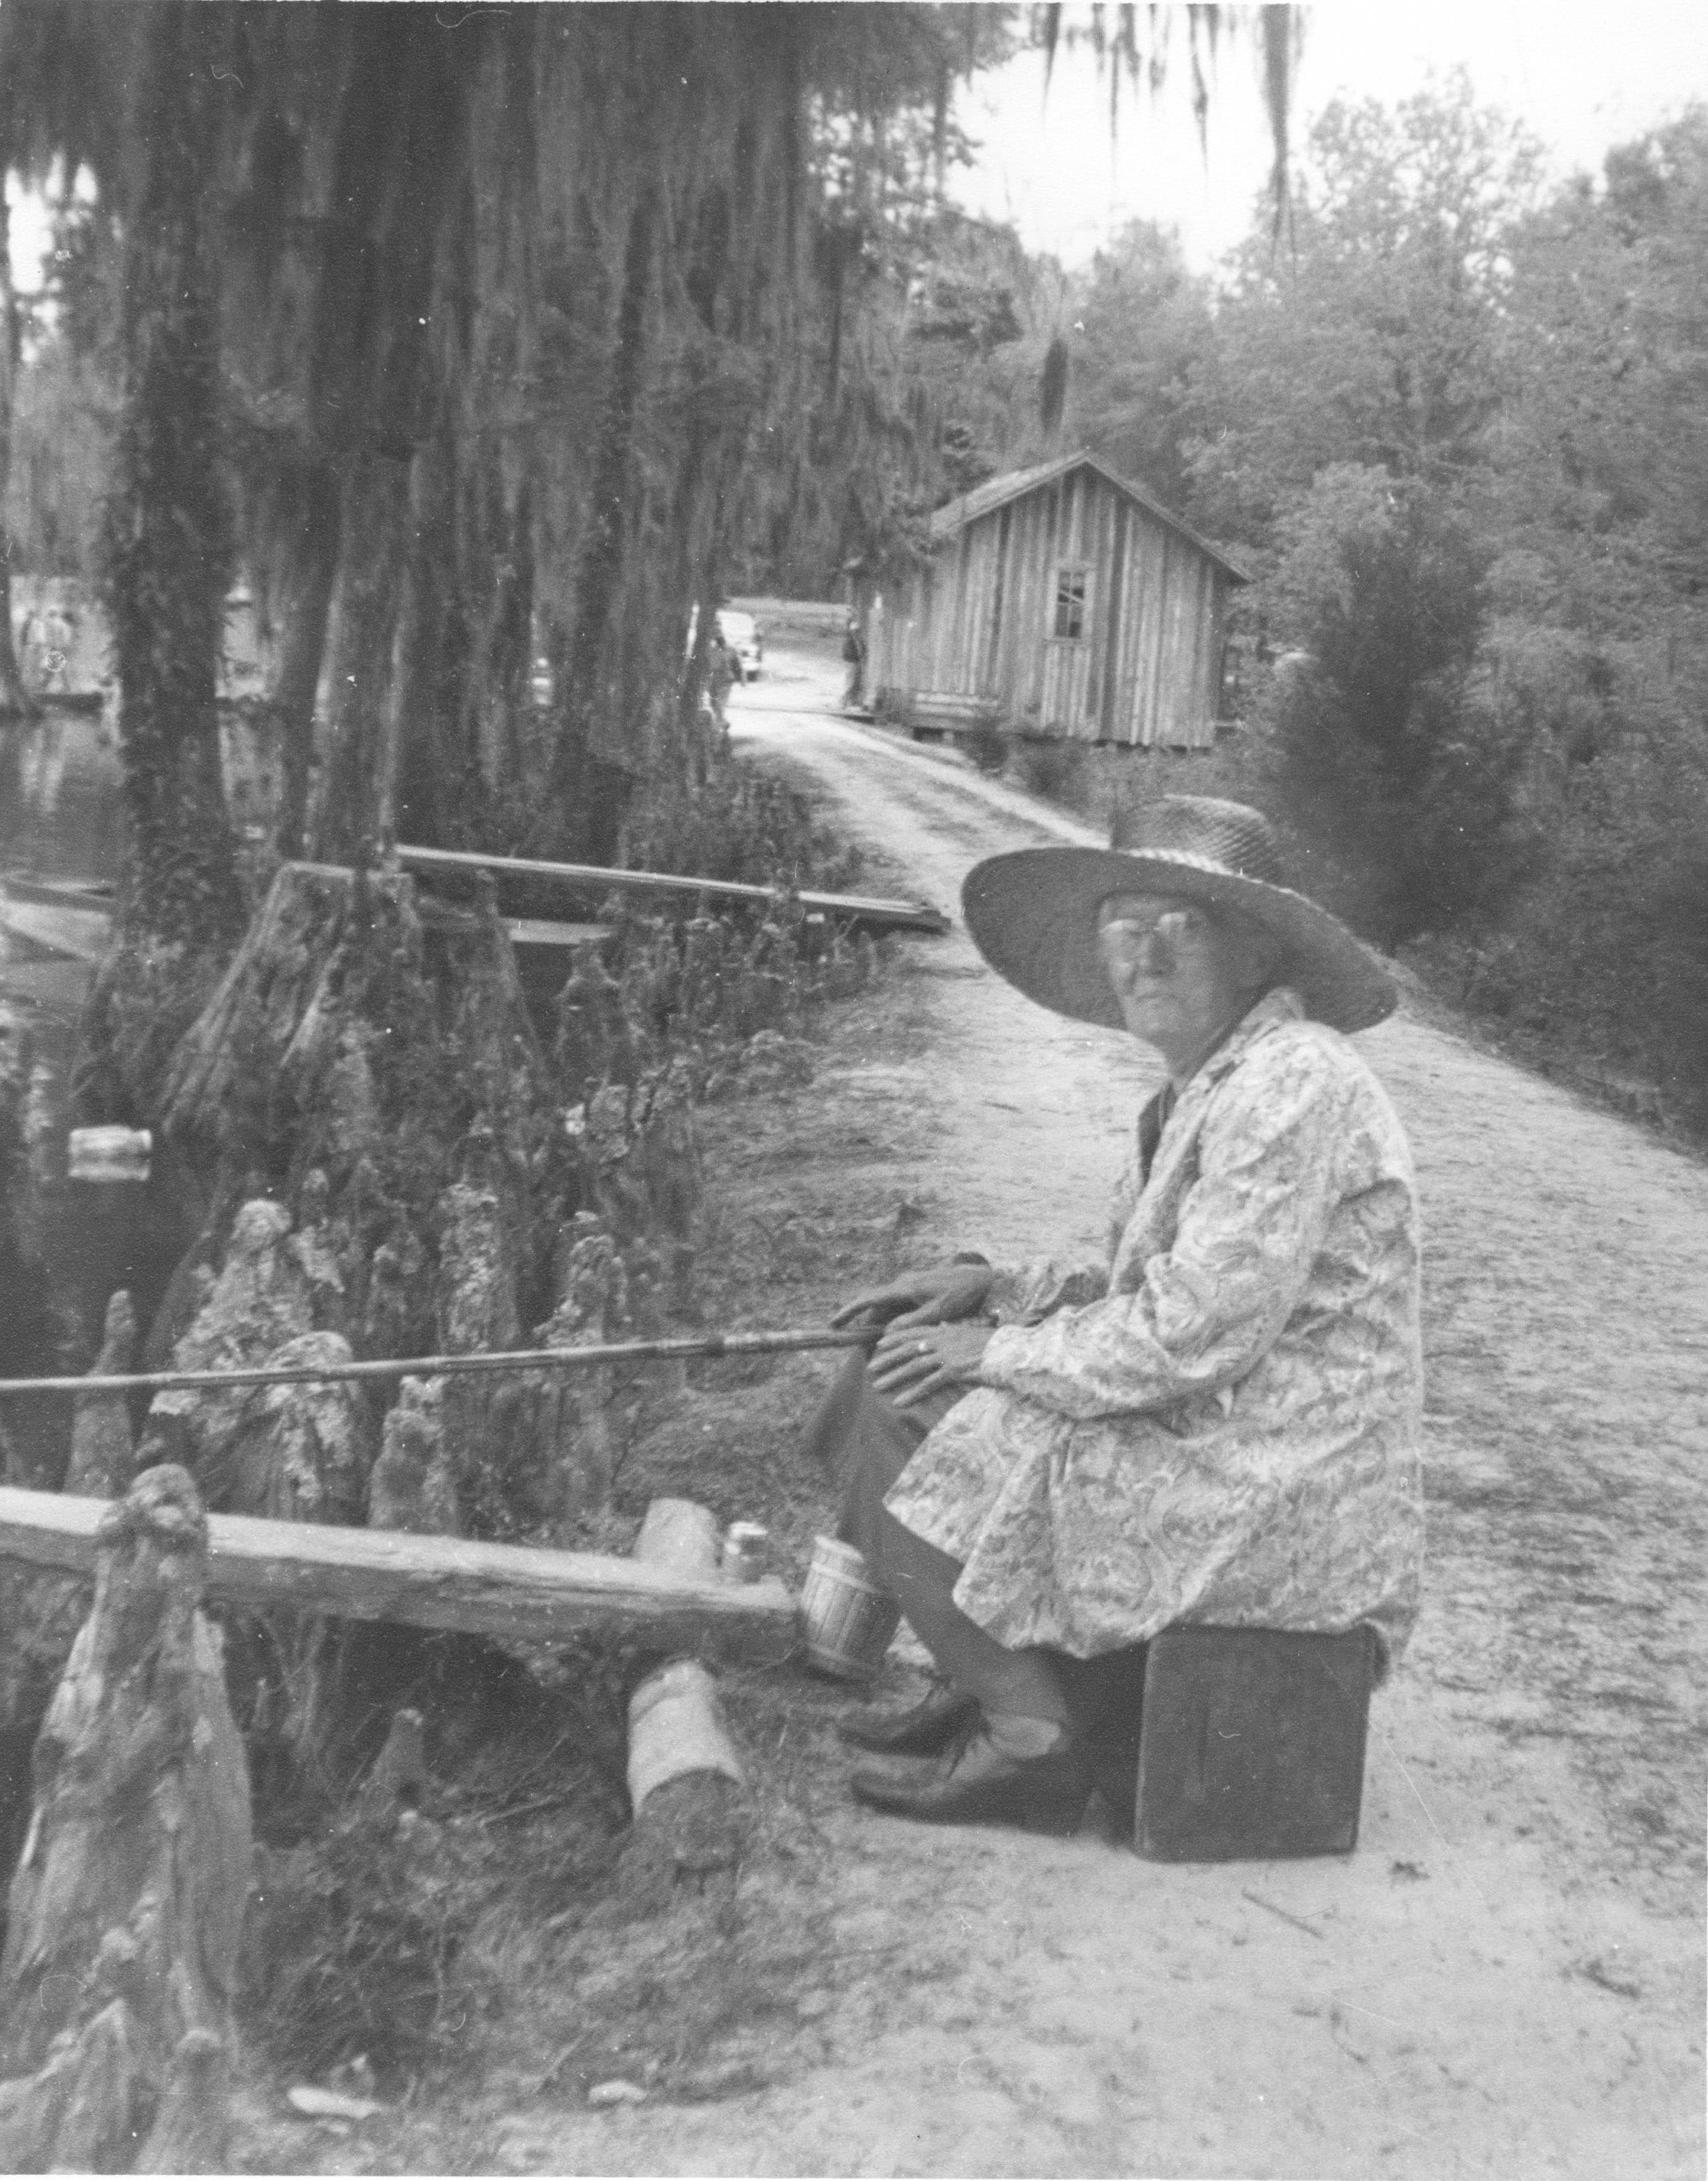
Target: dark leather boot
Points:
(977, 1783)
(924, 1730)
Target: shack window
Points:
(1070, 602)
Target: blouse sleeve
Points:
(1209, 1307)
(1026, 1294)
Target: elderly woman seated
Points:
(1219, 1422)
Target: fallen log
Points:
(860, 908)
(692, 1821)
(523, 1594)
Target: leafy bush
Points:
(739, 825)
(1049, 768)
(1610, 944)
(986, 746)
(1395, 770)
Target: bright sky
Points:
(1581, 75)
(29, 237)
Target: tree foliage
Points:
(908, 365)
(1597, 639)
(1371, 336)
(1144, 327)
(1454, 419)
(1573, 395)
(1388, 758)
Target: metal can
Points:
(745, 1546)
(108, 1154)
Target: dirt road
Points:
(1508, 1978)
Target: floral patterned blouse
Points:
(1222, 1422)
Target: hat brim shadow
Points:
(1032, 915)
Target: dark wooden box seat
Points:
(1252, 1743)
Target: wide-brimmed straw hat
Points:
(1032, 913)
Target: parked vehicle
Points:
(745, 640)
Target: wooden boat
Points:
(68, 917)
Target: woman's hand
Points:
(936, 1297)
(907, 1365)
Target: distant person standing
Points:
(55, 634)
(32, 650)
(720, 672)
(854, 655)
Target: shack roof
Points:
(996, 492)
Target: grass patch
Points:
(356, 1943)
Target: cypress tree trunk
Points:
(14, 698)
(599, 574)
(352, 794)
(168, 535)
(302, 608)
(466, 762)
(428, 778)
(370, 400)
(462, 652)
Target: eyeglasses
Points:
(1153, 936)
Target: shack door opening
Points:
(1068, 649)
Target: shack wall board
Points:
(978, 621)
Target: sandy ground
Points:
(1506, 1979)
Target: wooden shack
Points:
(1058, 601)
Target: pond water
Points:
(59, 775)
(61, 825)
(59, 801)
(60, 820)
